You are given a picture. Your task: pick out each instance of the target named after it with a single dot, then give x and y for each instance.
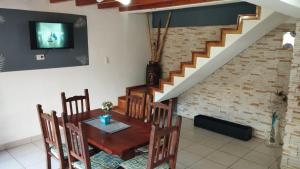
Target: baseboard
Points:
(20, 142)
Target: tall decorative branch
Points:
(150, 39)
(162, 44)
(156, 46)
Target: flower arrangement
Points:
(107, 106)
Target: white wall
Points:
(122, 37)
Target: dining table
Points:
(122, 143)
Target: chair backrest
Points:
(77, 144)
(163, 145)
(50, 131)
(135, 106)
(76, 104)
(160, 114)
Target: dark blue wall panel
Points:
(205, 16)
(15, 50)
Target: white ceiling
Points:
(287, 7)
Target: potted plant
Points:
(153, 72)
(107, 108)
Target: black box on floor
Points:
(224, 127)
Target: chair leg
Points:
(172, 164)
(62, 164)
(48, 158)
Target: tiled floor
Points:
(198, 149)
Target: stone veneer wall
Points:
(242, 91)
(182, 41)
(291, 148)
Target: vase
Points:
(153, 74)
(272, 136)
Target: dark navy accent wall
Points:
(15, 49)
(225, 14)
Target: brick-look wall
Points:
(291, 148)
(243, 90)
(182, 41)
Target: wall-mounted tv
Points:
(51, 35)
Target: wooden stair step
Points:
(122, 102)
(119, 110)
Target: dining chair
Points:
(78, 151)
(52, 138)
(160, 114)
(76, 104)
(163, 149)
(135, 106)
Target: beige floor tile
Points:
(260, 158)
(31, 159)
(199, 149)
(180, 166)
(8, 162)
(207, 164)
(253, 143)
(183, 143)
(214, 143)
(235, 149)
(23, 150)
(275, 165)
(194, 136)
(219, 136)
(272, 151)
(187, 158)
(244, 164)
(223, 158)
(5, 156)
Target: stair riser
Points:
(122, 103)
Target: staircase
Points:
(232, 42)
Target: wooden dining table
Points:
(122, 143)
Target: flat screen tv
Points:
(51, 35)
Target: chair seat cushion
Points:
(140, 162)
(101, 160)
(55, 152)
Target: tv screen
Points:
(47, 35)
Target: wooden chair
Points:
(135, 107)
(78, 104)
(78, 151)
(52, 139)
(160, 114)
(163, 149)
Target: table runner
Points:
(113, 127)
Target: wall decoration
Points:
(16, 44)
